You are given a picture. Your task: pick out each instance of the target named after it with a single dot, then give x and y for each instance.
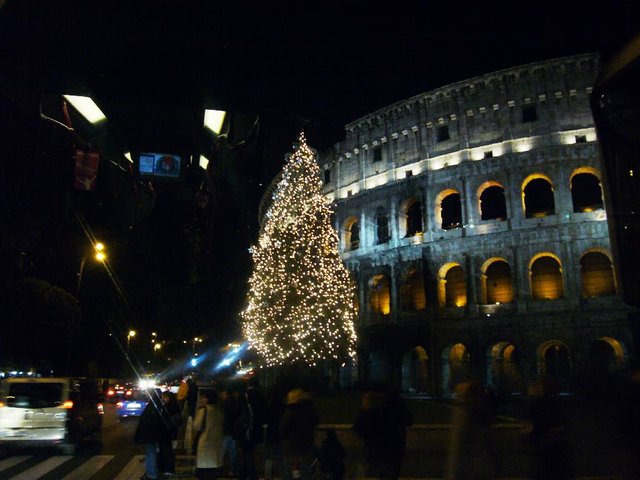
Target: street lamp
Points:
(193, 344)
(130, 335)
(99, 255)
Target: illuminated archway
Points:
(379, 295)
(415, 370)
(456, 367)
(503, 370)
(411, 217)
(497, 282)
(412, 296)
(586, 190)
(448, 209)
(555, 365)
(491, 201)
(537, 196)
(606, 355)
(452, 286)
(351, 234)
(596, 274)
(545, 274)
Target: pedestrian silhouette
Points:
(331, 457)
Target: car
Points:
(49, 412)
(118, 392)
(132, 407)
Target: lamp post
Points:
(99, 255)
(130, 335)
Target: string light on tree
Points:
(300, 305)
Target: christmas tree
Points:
(301, 297)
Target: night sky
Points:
(313, 65)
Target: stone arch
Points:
(456, 367)
(415, 370)
(382, 226)
(452, 287)
(537, 196)
(596, 274)
(449, 209)
(380, 295)
(606, 355)
(411, 222)
(545, 275)
(412, 293)
(555, 365)
(491, 201)
(586, 190)
(351, 234)
(503, 369)
(497, 281)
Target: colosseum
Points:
(472, 218)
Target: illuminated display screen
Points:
(160, 164)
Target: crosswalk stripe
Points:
(10, 462)
(42, 468)
(87, 469)
(134, 469)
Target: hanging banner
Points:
(86, 171)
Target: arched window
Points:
(538, 198)
(498, 282)
(586, 193)
(354, 230)
(414, 218)
(382, 226)
(412, 296)
(379, 294)
(451, 211)
(546, 278)
(492, 203)
(452, 288)
(351, 234)
(596, 273)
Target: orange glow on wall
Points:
(380, 295)
(546, 279)
(498, 283)
(596, 273)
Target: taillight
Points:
(100, 409)
(128, 393)
(119, 404)
(110, 393)
(1, 404)
(68, 404)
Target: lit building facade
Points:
(472, 219)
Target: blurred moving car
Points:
(49, 412)
(132, 407)
(118, 392)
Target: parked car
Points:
(46, 412)
(132, 407)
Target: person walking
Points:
(207, 427)
(297, 431)
(381, 424)
(230, 401)
(154, 429)
(248, 429)
(166, 455)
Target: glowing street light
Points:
(130, 335)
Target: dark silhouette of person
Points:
(552, 455)
(471, 447)
(382, 425)
(248, 430)
(166, 455)
(297, 433)
(331, 456)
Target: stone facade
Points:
(472, 218)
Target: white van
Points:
(49, 412)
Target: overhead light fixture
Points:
(86, 107)
(213, 120)
(204, 162)
(127, 155)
